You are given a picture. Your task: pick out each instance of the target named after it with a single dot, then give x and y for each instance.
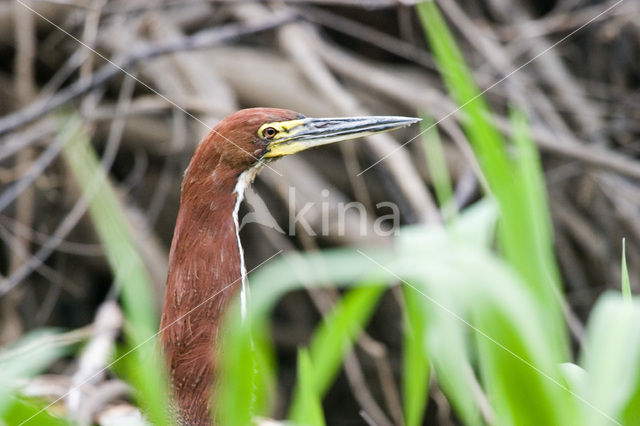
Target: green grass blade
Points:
(245, 392)
(415, 366)
(470, 296)
(576, 377)
(33, 412)
(468, 293)
(524, 230)
(438, 168)
(477, 225)
(448, 346)
(528, 171)
(24, 359)
(534, 210)
(146, 372)
(611, 359)
(626, 284)
(310, 411)
(524, 384)
(445, 337)
(247, 378)
(339, 329)
(487, 141)
(334, 338)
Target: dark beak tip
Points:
(410, 121)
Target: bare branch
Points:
(200, 40)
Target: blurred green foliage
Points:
(142, 363)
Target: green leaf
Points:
(245, 392)
(416, 367)
(576, 377)
(33, 413)
(438, 168)
(517, 371)
(310, 411)
(531, 229)
(626, 284)
(480, 316)
(24, 359)
(247, 379)
(516, 183)
(611, 358)
(334, 338)
(146, 370)
(477, 226)
(469, 292)
(448, 346)
(486, 140)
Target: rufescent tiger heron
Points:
(206, 264)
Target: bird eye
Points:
(269, 132)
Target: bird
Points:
(206, 259)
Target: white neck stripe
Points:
(244, 180)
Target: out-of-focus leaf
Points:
(334, 338)
(468, 293)
(471, 292)
(145, 371)
(486, 141)
(477, 226)
(310, 408)
(612, 361)
(24, 359)
(244, 393)
(415, 366)
(32, 413)
(438, 168)
(246, 384)
(515, 371)
(626, 284)
(576, 377)
(524, 230)
(448, 346)
(446, 337)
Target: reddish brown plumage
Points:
(204, 262)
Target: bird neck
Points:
(206, 267)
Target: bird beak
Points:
(297, 135)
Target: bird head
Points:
(257, 135)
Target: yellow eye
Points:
(269, 133)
